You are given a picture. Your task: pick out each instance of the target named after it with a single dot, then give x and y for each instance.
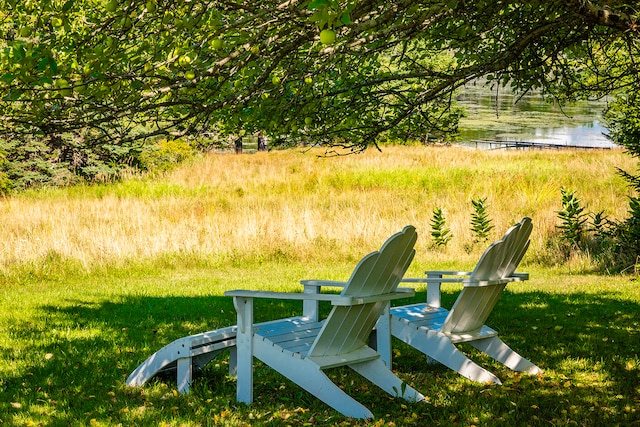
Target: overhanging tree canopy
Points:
(111, 72)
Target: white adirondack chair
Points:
(435, 330)
(300, 348)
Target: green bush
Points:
(165, 154)
(440, 233)
(480, 221)
(573, 219)
(62, 161)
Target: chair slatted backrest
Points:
(347, 328)
(478, 297)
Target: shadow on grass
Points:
(78, 355)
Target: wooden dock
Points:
(525, 145)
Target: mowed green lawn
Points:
(74, 326)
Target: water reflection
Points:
(500, 116)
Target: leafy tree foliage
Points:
(124, 70)
(85, 83)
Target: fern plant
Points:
(573, 218)
(439, 231)
(480, 222)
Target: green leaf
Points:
(316, 17)
(8, 78)
(315, 4)
(68, 5)
(42, 64)
(345, 18)
(45, 79)
(19, 52)
(14, 95)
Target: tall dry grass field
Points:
(297, 204)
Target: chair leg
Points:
(378, 373)
(383, 337)
(244, 350)
(449, 355)
(444, 351)
(310, 377)
(504, 354)
(318, 384)
(233, 361)
(184, 374)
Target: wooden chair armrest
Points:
(433, 285)
(281, 295)
(514, 278)
(310, 307)
(318, 283)
(433, 280)
(333, 298)
(441, 273)
(351, 300)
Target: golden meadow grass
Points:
(296, 204)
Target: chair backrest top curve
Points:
(502, 257)
(479, 296)
(347, 328)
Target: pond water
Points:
(500, 116)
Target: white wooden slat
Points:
(341, 339)
(297, 347)
(274, 329)
(210, 341)
(482, 333)
(291, 340)
(362, 354)
(421, 317)
(345, 329)
(472, 308)
(208, 348)
(295, 335)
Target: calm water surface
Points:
(500, 116)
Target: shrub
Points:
(439, 231)
(165, 154)
(573, 219)
(480, 221)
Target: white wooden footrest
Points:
(185, 355)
